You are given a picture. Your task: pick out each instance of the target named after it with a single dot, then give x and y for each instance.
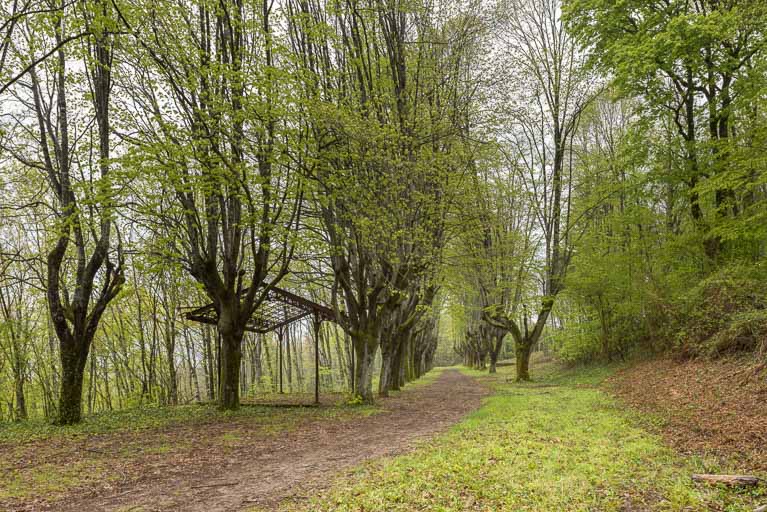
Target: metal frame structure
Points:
(279, 309)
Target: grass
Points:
(559, 443)
(51, 479)
(150, 418)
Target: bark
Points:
(731, 480)
(343, 370)
(170, 350)
(493, 363)
(395, 377)
(208, 364)
(20, 413)
(142, 340)
(297, 360)
(269, 366)
(231, 356)
(107, 391)
(522, 352)
(365, 346)
(73, 361)
(384, 380)
(194, 382)
(288, 363)
(258, 368)
(495, 351)
(92, 387)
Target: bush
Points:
(724, 313)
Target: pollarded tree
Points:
(214, 132)
(384, 82)
(546, 95)
(498, 248)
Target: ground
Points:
(562, 442)
(258, 456)
(715, 408)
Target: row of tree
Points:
(157, 155)
(585, 174)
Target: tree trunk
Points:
(343, 371)
(70, 396)
(522, 352)
(194, 382)
(495, 351)
(731, 480)
(481, 360)
(231, 355)
(21, 402)
(107, 392)
(288, 364)
(384, 382)
(210, 378)
(493, 362)
(170, 350)
(365, 350)
(258, 369)
(395, 371)
(92, 386)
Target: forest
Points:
(534, 193)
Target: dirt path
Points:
(282, 466)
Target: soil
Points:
(266, 470)
(710, 408)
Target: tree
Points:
(78, 178)
(544, 119)
(692, 60)
(498, 250)
(17, 318)
(219, 141)
(383, 84)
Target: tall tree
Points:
(215, 128)
(384, 81)
(547, 95)
(83, 274)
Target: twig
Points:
(222, 484)
(123, 493)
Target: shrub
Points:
(724, 313)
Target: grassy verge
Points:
(149, 418)
(559, 443)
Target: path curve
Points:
(289, 465)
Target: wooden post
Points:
(316, 325)
(279, 341)
(218, 364)
(354, 374)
